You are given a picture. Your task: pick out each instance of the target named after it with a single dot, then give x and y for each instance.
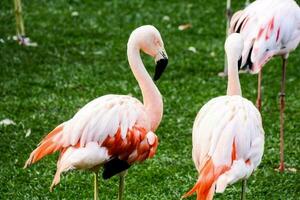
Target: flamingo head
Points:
(148, 39)
(261, 51)
(261, 54)
(234, 46)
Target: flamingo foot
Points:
(287, 169)
(25, 41)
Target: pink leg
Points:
(258, 100)
(282, 105)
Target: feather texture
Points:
(269, 28)
(228, 143)
(107, 127)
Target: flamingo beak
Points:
(161, 63)
(240, 63)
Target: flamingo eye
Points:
(267, 50)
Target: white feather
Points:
(102, 117)
(225, 121)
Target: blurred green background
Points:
(81, 57)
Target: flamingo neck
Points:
(233, 86)
(152, 98)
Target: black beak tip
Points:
(160, 68)
(240, 63)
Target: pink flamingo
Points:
(113, 131)
(269, 28)
(228, 137)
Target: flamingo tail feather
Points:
(47, 146)
(208, 175)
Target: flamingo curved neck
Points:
(233, 86)
(152, 98)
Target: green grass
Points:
(84, 57)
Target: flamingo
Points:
(112, 131)
(269, 28)
(228, 137)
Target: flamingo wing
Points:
(117, 125)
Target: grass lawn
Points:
(82, 57)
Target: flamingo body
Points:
(269, 28)
(228, 137)
(228, 141)
(107, 127)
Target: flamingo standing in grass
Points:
(269, 28)
(228, 137)
(113, 131)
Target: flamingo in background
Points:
(269, 28)
(113, 131)
(228, 137)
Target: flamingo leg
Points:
(244, 187)
(122, 184)
(19, 19)
(96, 189)
(20, 29)
(282, 106)
(258, 100)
